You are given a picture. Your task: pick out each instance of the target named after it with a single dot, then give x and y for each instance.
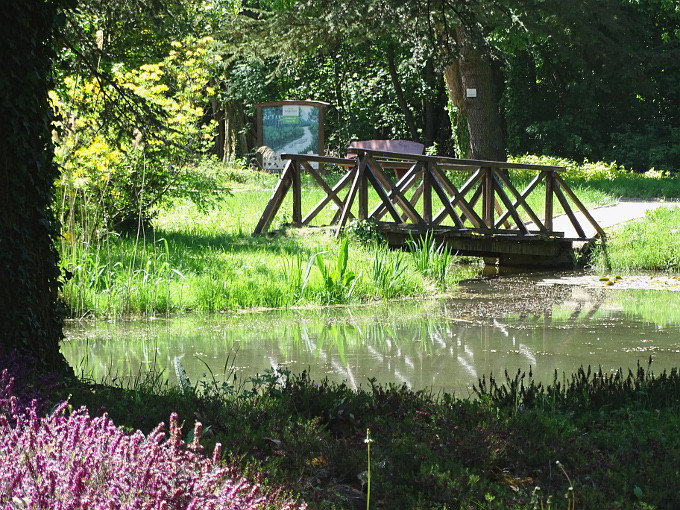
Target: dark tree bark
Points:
(30, 319)
(434, 112)
(399, 92)
(473, 69)
(215, 112)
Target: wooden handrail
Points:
(455, 163)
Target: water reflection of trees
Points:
(441, 345)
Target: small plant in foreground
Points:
(368, 442)
(537, 500)
(570, 496)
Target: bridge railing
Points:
(424, 197)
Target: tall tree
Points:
(30, 319)
(577, 78)
(475, 85)
(378, 66)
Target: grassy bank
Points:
(208, 261)
(590, 441)
(649, 244)
(175, 271)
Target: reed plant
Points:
(430, 259)
(337, 282)
(387, 271)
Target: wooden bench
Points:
(400, 146)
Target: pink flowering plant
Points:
(69, 460)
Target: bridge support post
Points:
(549, 194)
(488, 197)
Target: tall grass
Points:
(430, 259)
(387, 271)
(121, 276)
(213, 272)
(337, 282)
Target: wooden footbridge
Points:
(485, 215)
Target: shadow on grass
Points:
(274, 242)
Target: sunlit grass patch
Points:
(647, 244)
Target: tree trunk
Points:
(473, 87)
(399, 92)
(30, 321)
(434, 109)
(216, 114)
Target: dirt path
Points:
(297, 146)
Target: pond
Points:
(545, 323)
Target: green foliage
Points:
(599, 89)
(612, 180)
(379, 85)
(337, 283)
(113, 173)
(587, 389)
(607, 431)
(387, 272)
(364, 232)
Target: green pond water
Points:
(487, 327)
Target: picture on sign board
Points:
(289, 129)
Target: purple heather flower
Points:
(69, 460)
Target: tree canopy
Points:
(581, 79)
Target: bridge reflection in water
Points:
(438, 345)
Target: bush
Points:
(70, 460)
(129, 141)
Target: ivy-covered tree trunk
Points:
(474, 89)
(30, 320)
